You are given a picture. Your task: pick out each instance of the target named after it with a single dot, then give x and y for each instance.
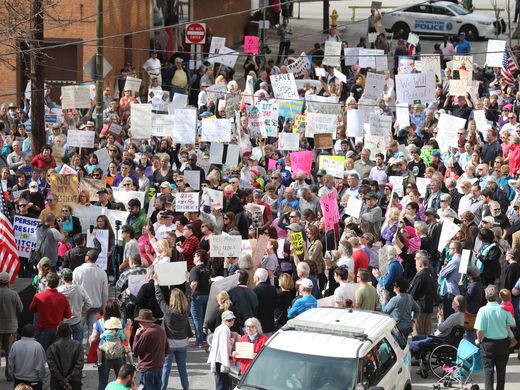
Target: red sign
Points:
(196, 33)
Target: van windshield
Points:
(279, 370)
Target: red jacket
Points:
(39, 163)
(52, 307)
(259, 344)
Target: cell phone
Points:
(91, 228)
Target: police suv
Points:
(440, 18)
(332, 349)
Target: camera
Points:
(118, 224)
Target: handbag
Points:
(469, 320)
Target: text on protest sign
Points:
(415, 86)
(162, 125)
(448, 126)
(217, 43)
(332, 53)
(251, 44)
(270, 117)
(256, 122)
(215, 130)
(25, 234)
(329, 206)
(187, 201)
(301, 161)
(321, 124)
(380, 125)
(213, 198)
(290, 109)
(334, 165)
(351, 55)
(495, 53)
(289, 141)
(431, 64)
(192, 178)
(353, 207)
(284, 86)
(75, 96)
(132, 84)
(225, 246)
(81, 138)
(103, 237)
(299, 66)
(402, 114)
(120, 195)
(65, 188)
(135, 282)
(296, 239)
(323, 141)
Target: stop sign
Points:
(196, 33)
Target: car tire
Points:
(401, 30)
(471, 32)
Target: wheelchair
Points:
(440, 352)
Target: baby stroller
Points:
(468, 361)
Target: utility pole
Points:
(325, 16)
(99, 66)
(37, 79)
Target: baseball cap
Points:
(102, 191)
(489, 219)
(66, 273)
(431, 211)
(228, 315)
(294, 227)
(321, 172)
(305, 283)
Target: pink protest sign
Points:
(301, 161)
(251, 44)
(271, 165)
(329, 205)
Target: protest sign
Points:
(184, 125)
(269, 113)
(246, 247)
(422, 185)
(271, 165)
(223, 284)
(225, 245)
(299, 66)
(374, 85)
(353, 207)
(289, 108)
(115, 129)
(296, 239)
(431, 64)
(495, 53)
(16, 194)
(284, 86)
(300, 123)
(321, 124)
(92, 186)
(256, 213)
(217, 43)
(402, 114)
(80, 138)
(256, 122)
(458, 87)
(323, 141)
(464, 261)
(228, 57)
(232, 104)
(216, 153)
(289, 141)
(159, 100)
(308, 83)
(244, 350)
(380, 125)
(251, 44)
(481, 121)
(372, 37)
(120, 195)
(415, 86)
(332, 53)
(366, 107)
(301, 161)
(320, 72)
(340, 76)
(448, 231)
(187, 201)
(367, 58)
(215, 130)
(381, 61)
(162, 125)
(323, 104)
(132, 84)
(171, 274)
(135, 282)
(213, 198)
(103, 158)
(25, 234)
(179, 100)
(75, 96)
(448, 126)
(413, 39)
(65, 188)
(103, 237)
(397, 182)
(87, 215)
(260, 249)
(464, 65)
(141, 120)
(329, 206)
(232, 155)
(114, 216)
(375, 143)
(216, 91)
(354, 124)
(376, 4)
(67, 170)
(333, 165)
(351, 55)
(192, 178)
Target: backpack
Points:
(114, 349)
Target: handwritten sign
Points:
(65, 188)
(244, 350)
(332, 53)
(301, 161)
(413, 39)
(25, 234)
(431, 64)
(184, 125)
(448, 126)
(192, 178)
(495, 53)
(333, 165)
(353, 207)
(213, 198)
(329, 206)
(284, 86)
(225, 246)
(299, 66)
(141, 120)
(380, 125)
(323, 141)
(171, 274)
(135, 282)
(216, 130)
(251, 44)
(481, 121)
(103, 237)
(374, 85)
(296, 239)
(289, 141)
(75, 96)
(321, 124)
(448, 231)
(92, 186)
(402, 114)
(162, 125)
(187, 201)
(458, 87)
(415, 86)
(120, 195)
(269, 114)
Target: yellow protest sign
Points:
(65, 188)
(300, 121)
(297, 243)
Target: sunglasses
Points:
(65, 211)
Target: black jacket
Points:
(422, 289)
(266, 294)
(245, 301)
(176, 325)
(76, 256)
(146, 299)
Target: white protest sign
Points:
(187, 201)
(495, 53)
(75, 96)
(114, 216)
(366, 107)
(481, 121)
(171, 274)
(141, 120)
(216, 153)
(381, 61)
(320, 72)
(192, 178)
(103, 237)
(81, 138)
(299, 66)
(225, 246)
(431, 64)
(464, 261)
(25, 234)
(215, 130)
(213, 198)
(448, 231)
(333, 167)
(232, 155)
(87, 215)
(179, 100)
(132, 84)
(413, 39)
(351, 55)
(321, 124)
(397, 182)
(448, 126)
(354, 123)
(222, 284)
(217, 43)
(367, 57)
(422, 185)
(323, 104)
(256, 122)
(135, 282)
(289, 141)
(245, 350)
(402, 114)
(458, 87)
(120, 195)
(375, 143)
(184, 125)
(228, 57)
(374, 85)
(415, 86)
(67, 170)
(284, 86)
(332, 53)
(340, 76)
(269, 114)
(103, 158)
(162, 125)
(372, 37)
(353, 206)
(380, 125)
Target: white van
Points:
(332, 349)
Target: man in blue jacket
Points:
(306, 300)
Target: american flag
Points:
(509, 67)
(9, 259)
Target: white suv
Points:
(332, 349)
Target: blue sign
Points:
(51, 118)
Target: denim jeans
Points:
(447, 301)
(180, 359)
(151, 380)
(222, 380)
(104, 370)
(198, 310)
(45, 337)
(77, 332)
(87, 322)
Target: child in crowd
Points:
(505, 297)
(112, 342)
